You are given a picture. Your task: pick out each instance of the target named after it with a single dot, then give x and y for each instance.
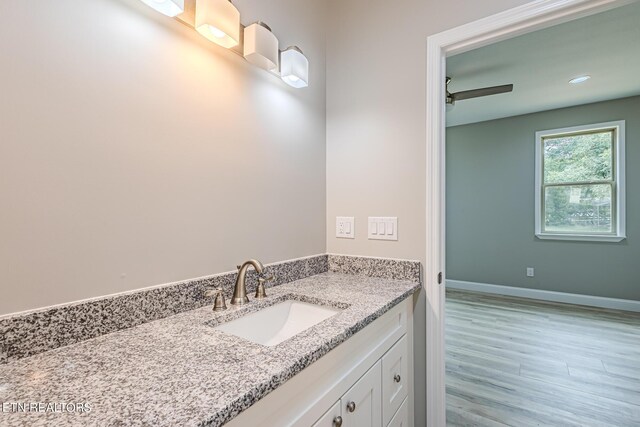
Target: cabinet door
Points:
(361, 405)
(401, 418)
(394, 379)
(331, 418)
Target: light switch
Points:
(383, 228)
(345, 227)
(389, 227)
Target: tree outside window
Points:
(578, 182)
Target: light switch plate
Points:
(345, 227)
(383, 228)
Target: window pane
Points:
(578, 209)
(578, 158)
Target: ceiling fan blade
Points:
(485, 91)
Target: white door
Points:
(362, 404)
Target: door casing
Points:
(529, 17)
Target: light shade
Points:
(261, 46)
(218, 21)
(167, 7)
(294, 67)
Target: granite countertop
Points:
(180, 370)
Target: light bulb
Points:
(166, 7)
(216, 32)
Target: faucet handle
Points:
(260, 291)
(218, 302)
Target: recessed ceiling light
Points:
(579, 79)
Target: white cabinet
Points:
(361, 404)
(372, 370)
(331, 418)
(394, 379)
(378, 398)
(401, 418)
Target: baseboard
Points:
(539, 294)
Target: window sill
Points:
(580, 237)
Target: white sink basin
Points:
(272, 325)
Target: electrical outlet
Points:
(345, 227)
(530, 272)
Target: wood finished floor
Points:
(520, 362)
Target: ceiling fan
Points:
(475, 93)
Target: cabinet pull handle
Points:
(337, 421)
(351, 406)
(396, 378)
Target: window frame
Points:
(618, 182)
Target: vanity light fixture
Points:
(261, 46)
(166, 7)
(294, 67)
(579, 79)
(218, 21)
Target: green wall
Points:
(490, 208)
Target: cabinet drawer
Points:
(361, 404)
(331, 418)
(395, 379)
(401, 418)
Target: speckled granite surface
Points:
(36, 332)
(375, 267)
(181, 371)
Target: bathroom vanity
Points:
(365, 381)
(349, 364)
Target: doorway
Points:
(527, 18)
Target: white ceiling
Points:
(540, 64)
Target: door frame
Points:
(529, 17)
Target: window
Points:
(580, 183)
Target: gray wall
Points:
(490, 208)
(134, 152)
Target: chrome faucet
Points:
(240, 290)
